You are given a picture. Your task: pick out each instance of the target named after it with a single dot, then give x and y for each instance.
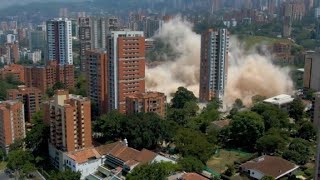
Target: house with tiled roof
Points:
(85, 161)
(110, 161)
(272, 166)
(187, 176)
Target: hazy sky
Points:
(7, 3)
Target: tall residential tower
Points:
(59, 38)
(214, 64)
(126, 63)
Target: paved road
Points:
(3, 176)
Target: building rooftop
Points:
(84, 155)
(128, 155)
(280, 99)
(150, 94)
(187, 176)
(271, 166)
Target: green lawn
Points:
(219, 161)
(3, 165)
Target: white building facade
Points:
(59, 37)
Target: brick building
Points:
(12, 123)
(69, 117)
(13, 69)
(126, 76)
(96, 72)
(146, 102)
(214, 64)
(45, 77)
(29, 96)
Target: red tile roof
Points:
(193, 176)
(126, 154)
(270, 165)
(84, 155)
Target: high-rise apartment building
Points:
(311, 71)
(38, 41)
(12, 123)
(214, 64)
(29, 96)
(44, 77)
(15, 70)
(59, 40)
(69, 118)
(126, 63)
(10, 52)
(96, 72)
(93, 33)
(146, 102)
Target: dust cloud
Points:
(249, 73)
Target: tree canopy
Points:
(142, 130)
(299, 151)
(273, 117)
(191, 164)
(21, 162)
(153, 171)
(192, 143)
(243, 132)
(307, 131)
(66, 175)
(181, 97)
(296, 110)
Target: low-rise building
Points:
(17, 71)
(110, 161)
(281, 101)
(272, 166)
(146, 102)
(45, 77)
(29, 96)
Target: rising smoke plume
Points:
(249, 74)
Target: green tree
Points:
(307, 131)
(181, 97)
(267, 178)
(273, 117)
(142, 130)
(212, 135)
(81, 85)
(2, 155)
(37, 138)
(16, 145)
(271, 144)
(296, 110)
(21, 162)
(191, 164)
(238, 104)
(230, 170)
(245, 129)
(153, 171)
(299, 151)
(190, 108)
(111, 126)
(192, 143)
(65, 175)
